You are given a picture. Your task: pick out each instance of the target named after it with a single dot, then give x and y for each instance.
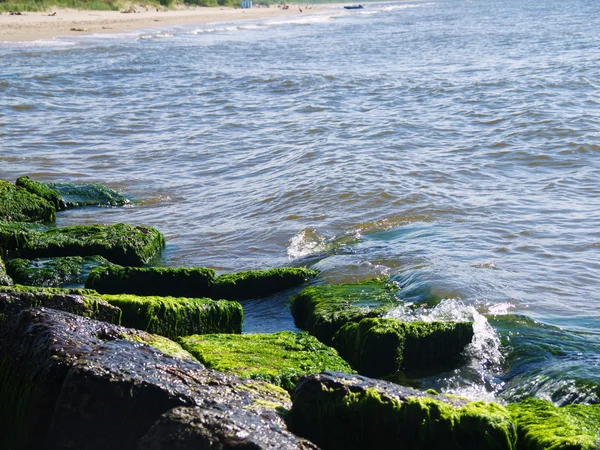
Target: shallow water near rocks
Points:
(452, 145)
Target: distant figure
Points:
(300, 9)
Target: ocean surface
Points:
(451, 145)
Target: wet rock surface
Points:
(5, 280)
(78, 383)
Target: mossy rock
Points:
(54, 272)
(172, 317)
(381, 347)
(344, 412)
(82, 302)
(123, 244)
(323, 310)
(279, 358)
(259, 283)
(543, 426)
(73, 195)
(175, 282)
(5, 280)
(19, 205)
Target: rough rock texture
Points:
(121, 244)
(173, 317)
(279, 358)
(14, 299)
(338, 411)
(323, 310)
(218, 429)
(72, 195)
(69, 382)
(175, 282)
(66, 271)
(19, 205)
(542, 426)
(259, 283)
(5, 280)
(379, 347)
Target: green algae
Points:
(370, 418)
(541, 425)
(160, 343)
(19, 205)
(175, 282)
(121, 243)
(88, 194)
(323, 310)
(173, 317)
(42, 190)
(54, 272)
(259, 283)
(278, 358)
(381, 347)
(5, 280)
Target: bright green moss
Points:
(347, 418)
(323, 310)
(380, 347)
(122, 244)
(19, 205)
(160, 343)
(259, 283)
(76, 195)
(173, 317)
(42, 190)
(54, 272)
(48, 290)
(279, 358)
(543, 426)
(193, 282)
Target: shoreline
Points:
(33, 26)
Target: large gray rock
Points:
(70, 382)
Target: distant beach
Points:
(32, 26)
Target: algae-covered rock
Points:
(14, 299)
(19, 205)
(121, 244)
(42, 190)
(5, 280)
(71, 382)
(379, 347)
(218, 429)
(173, 317)
(338, 411)
(174, 282)
(72, 195)
(542, 426)
(279, 358)
(323, 310)
(54, 272)
(259, 283)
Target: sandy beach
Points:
(31, 26)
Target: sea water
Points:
(451, 145)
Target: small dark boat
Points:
(354, 7)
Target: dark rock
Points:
(5, 280)
(121, 244)
(176, 282)
(218, 428)
(19, 205)
(339, 411)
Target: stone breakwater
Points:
(150, 357)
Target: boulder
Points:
(70, 382)
(380, 347)
(279, 358)
(66, 271)
(259, 283)
(323, 310)
(217, 428)
(72, 195)
(175, 282)
(121, 244)
(541, 425)
(5, 280)
(19, 205)
(350, 412)
(173, 317)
